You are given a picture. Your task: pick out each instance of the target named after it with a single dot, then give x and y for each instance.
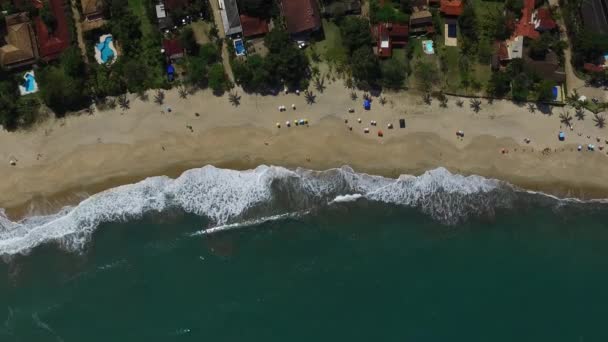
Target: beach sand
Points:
(62, 161)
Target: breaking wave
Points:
(228, 197)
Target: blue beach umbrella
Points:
(367, 104)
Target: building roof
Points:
(421, 17)
(91, 6)
(230, 17)
(301, 15)
(452, 7)
(548, 68)
(543, 20)
(387, 35)
(253, 26)
(525, 26)
(590, 67)
(52, 44)
(595, 15)
(20, 40)
(173, 4)
(173, 47)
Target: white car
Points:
(302, 44)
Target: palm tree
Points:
(234, 98)
(382, 100)
(443, 100)
(124, 102)
(353, 96)
(367, 97)
(183, 93)
(111, 103)
(91, 109)
(426, 98)
(319, 84)
(475, 105)
(531, 108)
(460, 103)
(565, 118)
(600, 120)
(580, 114)
(348, 83)
(159, 98)
(310, 97)
(143, 95)
(573, 99)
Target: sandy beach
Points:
(61, 161)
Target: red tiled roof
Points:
(525, 27)
(172, 47)
(173, 4)
(51, 45)
(590, 67)
(452, 7)
(253, 26)
(501, 50)
(546, 21)
(301, 15)
(395, 34)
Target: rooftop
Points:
(452, 7)
(525, 26)
(595, 15)
(91, 7)
(543, 21)
(253, 26)
(20, 48)
(52, 43)
(230, 17)
(301, 15)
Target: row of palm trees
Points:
(566, 118)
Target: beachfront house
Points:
(253, 26)
(173, 49)
(507, 50)
(230, 18)
(20, 42)
(302, 17)
(451, 10)
(542, 20)
(421, 23)
(548, 68)
(388, 36)
(52, 40)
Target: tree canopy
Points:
(393, 74)
(355, 33)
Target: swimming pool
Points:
(29, 85)
(239, 47)
(427, 46)
(105, 49)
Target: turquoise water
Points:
(428, 46)
(239, 47)
(107, 54)
(517, 267)
(30, 82)
(357, 272)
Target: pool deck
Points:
(449, 41)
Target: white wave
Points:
(246, 223)
(346, 198)
(228, 197)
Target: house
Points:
(92, 9)
(525, 26)
(547, 69)
(595, 15)
(507, 50)
(301, 16)
(20, 49)
(53, 41)
(173, 49)
(421, 23)
(230, 17)
(173, 5)
(253, 26)
(451, 10)
(164, 21)
(342, 7)
(387, 36)
(593, 68)
(542, 20)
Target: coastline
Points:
(62, 161)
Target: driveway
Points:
(217, 18)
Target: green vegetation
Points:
(284, 65)
(387, 13)
(16, 111)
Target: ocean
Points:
(294, 255)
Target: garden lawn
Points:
(331, 48)
(483, 7)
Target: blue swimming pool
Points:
(239, 47)
(105, 50)
(427, 46)
(30, 83)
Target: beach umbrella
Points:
(561, 136)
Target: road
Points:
(217, 17)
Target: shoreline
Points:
(84, 155)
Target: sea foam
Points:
(227, 197)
